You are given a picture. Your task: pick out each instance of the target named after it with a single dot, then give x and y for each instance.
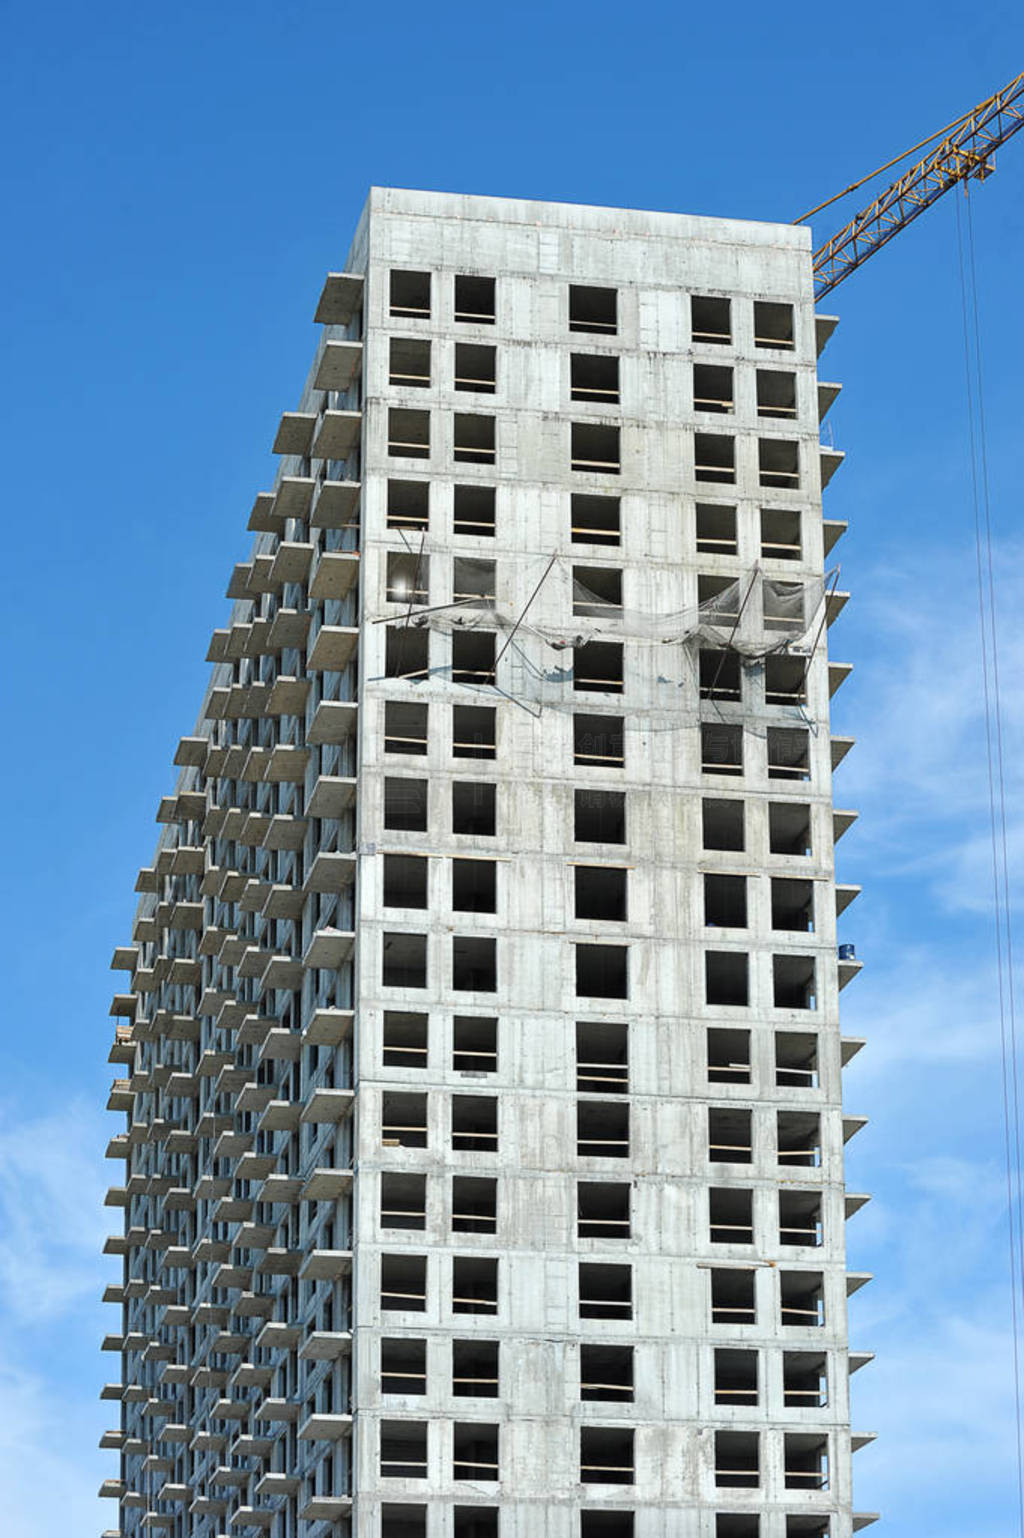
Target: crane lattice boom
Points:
(963, 153)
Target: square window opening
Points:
(475, 1522)
(405, 728)
(597, 592)
(474, 440)
(730, 1136)
(403, 1449)
(602, 1057)
(606, 1373)
(793, 978)
(736, 1377)
(403, 1204)
(602, 1210)
(474, 886)
(802, 1299)
(408, 433)
(726, 902)
(474, 1205)
(601, 893)
(403, 1521)
(789, 828)
(474, 964)
(711, 319)
(475, 1373)
(410, 294)
(473, 511)
(473, 654)
(606, 1455)
(404, 960)
(726, 978)
(721, 677)
(779, 463)
(403, 1283)
(721, 748)
(722, 824)
(796, 1059)
(788, 754)
(593, 309)
(403, 1120)
(408, 578)
(475, 300)
(409, 363)
(728, 1056)
(716, 529)
(602, 1129)
(714, 458)
(792, 905)
(405, 805)
(598, 667)
(475, 368)
(599, 816)
(732, 1296)
(605, 1292)
(776, 393)
(406, 652)
(712, 388)
(474, 808)
(804, 1380)
(785, 680)
(405, 1039)
(602, 971)
(475, 1451)
(773, 324)
(474, 582)
(594, 377)
(473, 731)
(731, 1215)
(595, 448)
(798, 1135)
(737, 1460)
(474, 1285)
(595, 520)
(475, 1044)
(780, 534)
(475, 1123)
(408, 505)
(405, 881)
(800, 1218)
(599, 741)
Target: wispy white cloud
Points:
(920, 770)
(49, 1471)
(51, 1213)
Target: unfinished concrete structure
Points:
(484, 1123)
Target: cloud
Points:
(49, 1479)
(51, 1214)
(920, 771)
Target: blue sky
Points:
(178, 179)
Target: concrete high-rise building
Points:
(484, 1145)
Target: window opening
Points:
(475, 300)
(475, 368)
(410, 294)
(710, 319)
(716, 529)
(593, 309)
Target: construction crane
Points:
(965, 152)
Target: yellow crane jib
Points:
(965, 152)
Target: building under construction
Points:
(484, 1149)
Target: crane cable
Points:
(1002, 914)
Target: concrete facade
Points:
(485, 1128)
